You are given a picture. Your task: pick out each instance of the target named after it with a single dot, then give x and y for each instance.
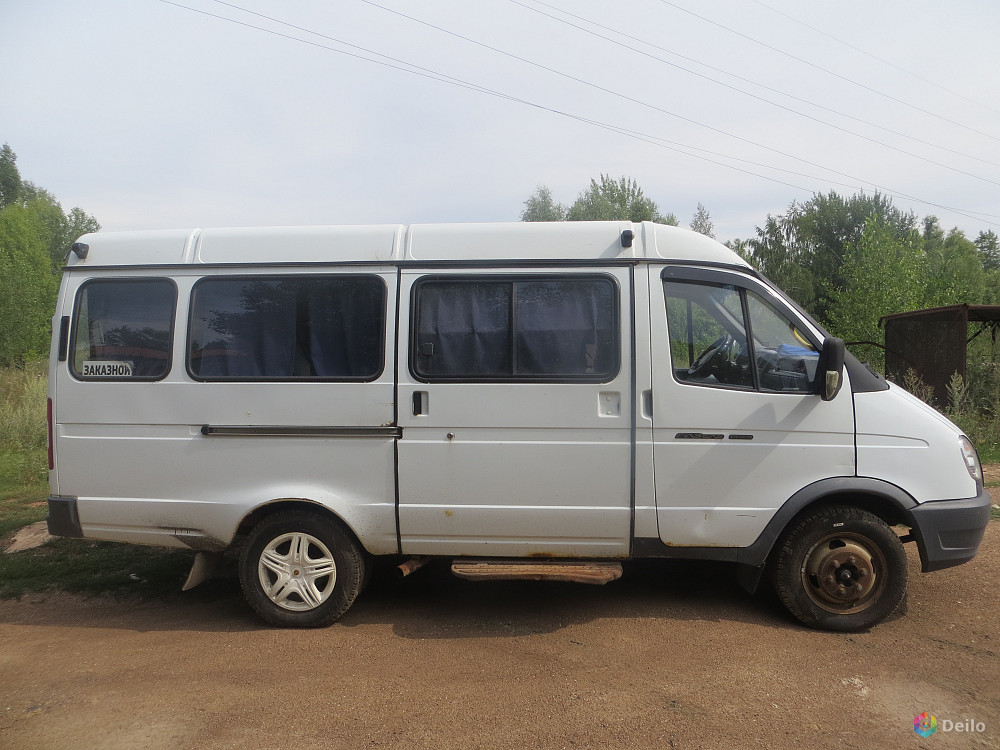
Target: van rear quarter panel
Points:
(134, 455)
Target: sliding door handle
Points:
(421, 401)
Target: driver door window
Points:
(726, 336)
(707, 335)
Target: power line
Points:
(406, 67)
(551, 70)
(829, 72)
(656, 108)
(877, 58)
(633, 39)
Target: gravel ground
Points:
(672, 656)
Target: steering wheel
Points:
(710, 359)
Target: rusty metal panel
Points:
(932, 342)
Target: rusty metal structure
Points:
(934, 342)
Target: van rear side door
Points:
(514, 405)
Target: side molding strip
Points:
(295, 431)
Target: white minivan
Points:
(529, 400)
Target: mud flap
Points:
(206, 565)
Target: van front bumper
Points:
(63, 518)
(948, 532)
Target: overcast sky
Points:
(149, 115)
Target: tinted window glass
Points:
(123, 328)
(287, 328)
(522, 329)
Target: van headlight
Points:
(971, 459)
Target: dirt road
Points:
(671, 656)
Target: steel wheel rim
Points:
(844, 573)
(297, 571)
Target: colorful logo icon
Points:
(924, 724)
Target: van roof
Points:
(391, 243)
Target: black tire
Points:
(301, 569)
(840, 568)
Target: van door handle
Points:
(420, 403)
(647, 404)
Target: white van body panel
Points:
(905, 442)
(579, 468)
(143, 472)
(722, 490)
(516, 469)
(298, 244)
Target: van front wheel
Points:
(300, 569)
(840, 568)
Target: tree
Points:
(10, 177)
(882, 274)
(954, 267)
(701, 222)
(60, 230)
(611, 200)
(804, 250)
(540, 207)
(27, 286)
(988, 245)
(607, 200)
(35, 235)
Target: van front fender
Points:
(886, 500)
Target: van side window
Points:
(786, 360)
(722, 335)
(523, 329)
(287, 328)
(122, 329)
(708, 341)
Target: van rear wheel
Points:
(300, 569)
(840, 568)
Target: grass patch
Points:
(23, 460)
(87, 567)
(22, 406)
(24, 488)
(989, 453)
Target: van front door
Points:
(738, 425)
(514, 405)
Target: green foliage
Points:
(954, 267)
(882, 273)
(541, 207)
(804, 251)
(988, 246)
(27, 286)
(35, 235)
(23, 487)
(701, 222)
(22, 406)
(10, 177)
(607, 200)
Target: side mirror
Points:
(831, 374)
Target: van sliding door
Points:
(515, 412)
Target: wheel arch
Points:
(283, 505)
(884, 500)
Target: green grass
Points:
(86, 567)
(23, 488)
(989, 453)
(22, 406)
